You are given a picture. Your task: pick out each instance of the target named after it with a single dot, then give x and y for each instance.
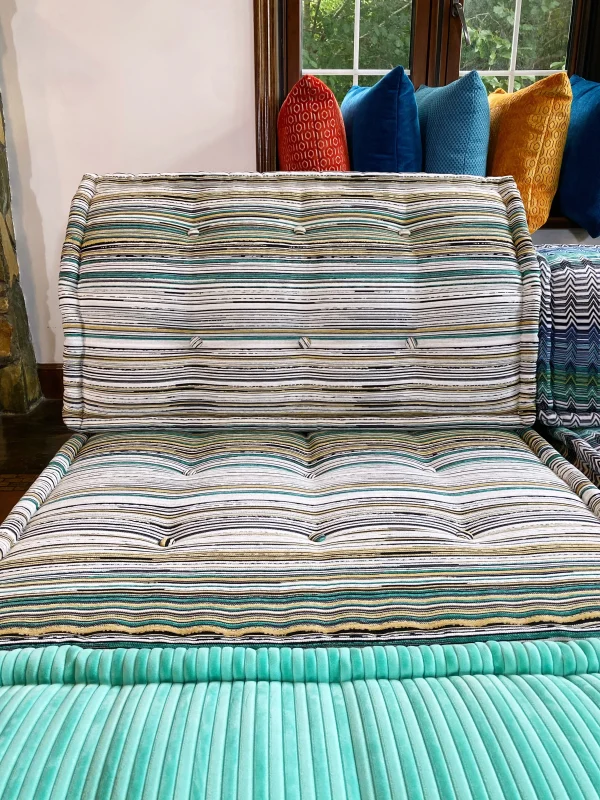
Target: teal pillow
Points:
(455, 126)
(382, 125)
(579, 187)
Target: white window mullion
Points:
(504, 73)
(515, 44)
(356, 42)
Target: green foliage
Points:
(328, 40)
(543, 34)
(385, 33)
(328, 34)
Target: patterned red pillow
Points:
(310, 130)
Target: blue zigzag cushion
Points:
(579, 188)
(455, 126)
(568, 394)
(568, 388)
(581, 447)
(382, 126)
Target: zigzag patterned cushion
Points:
(568, 394)
(298, 301)
(568, 382)
(581, 447)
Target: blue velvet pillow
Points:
(579, 187)
(455, 126)
(382, 126)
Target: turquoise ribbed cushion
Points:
(486, 721)
(455, 126)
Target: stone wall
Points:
(19, 385)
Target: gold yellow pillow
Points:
(528, 131)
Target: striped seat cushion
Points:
(284, 537)
(296, 300)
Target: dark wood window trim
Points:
(277, 67)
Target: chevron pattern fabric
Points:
(581, 447)
(485, 721)
(282, 537)
(568, 394)
(568, 391)
(295, 300)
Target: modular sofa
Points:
(304, 542)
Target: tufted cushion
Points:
(149, 536)
(569, 357)
(310, 129)
(298, 300)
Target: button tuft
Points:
(193, 232)
(412, 343)
(299, 229)
(304, 342)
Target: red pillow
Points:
(310, 130)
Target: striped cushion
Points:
(297, 300)
(283, 537)
(569, 360)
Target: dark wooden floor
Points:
(27, 443)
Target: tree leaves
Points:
(385, 36)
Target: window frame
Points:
(435, 56)
(581, 17)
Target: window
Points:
(348, 42)
(516, 42)
(345, 42)
(512, 42)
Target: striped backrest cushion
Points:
(569, 360)
(298, 300)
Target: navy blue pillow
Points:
(455, 126)
(579, 187)
(382, 125)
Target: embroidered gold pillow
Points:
(528, 131)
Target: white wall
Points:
(114, 86)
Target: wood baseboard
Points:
(51, 380)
